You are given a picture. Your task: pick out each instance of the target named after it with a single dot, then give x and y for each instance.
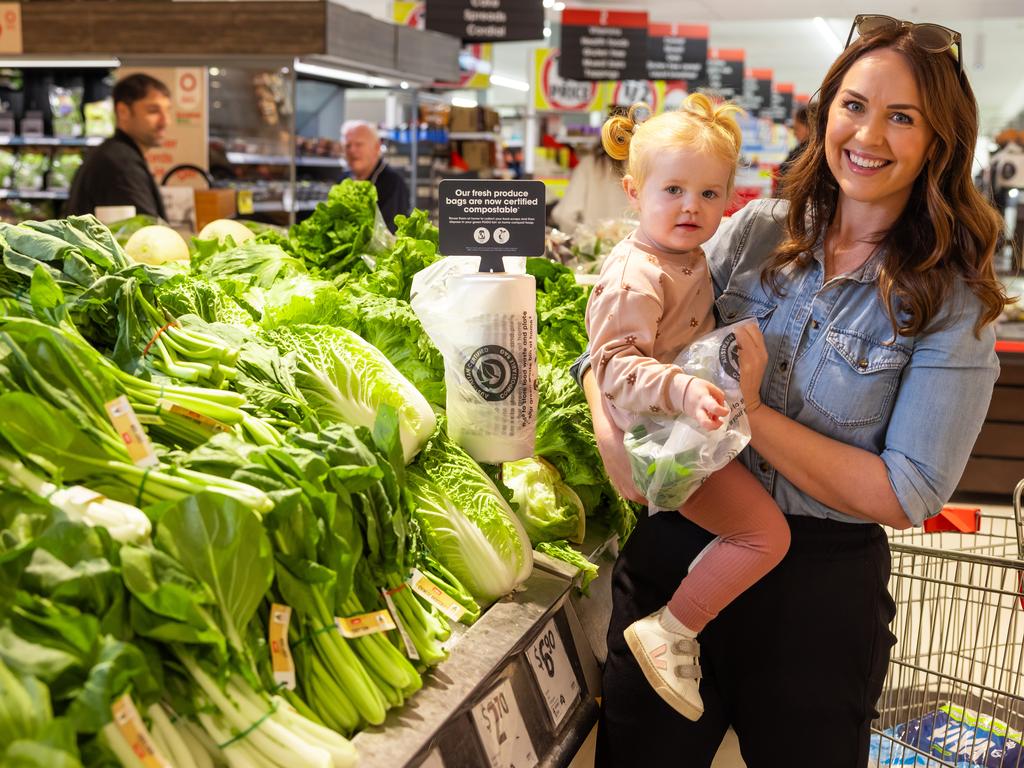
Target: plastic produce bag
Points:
(63, 168)
(485, 326)
(671, 457)
(30, 170)
(66, 111)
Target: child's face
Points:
(682, 199)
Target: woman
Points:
(875, 292)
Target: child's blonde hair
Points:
(698, 124)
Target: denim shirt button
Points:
(783, 366)
(815, 324)
(862, 364)
(764, 466)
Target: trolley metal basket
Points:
(954, 691)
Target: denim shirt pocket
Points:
(735, 305)
(857, 378)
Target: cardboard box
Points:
(490, 121)
(213, 204)
(477, 154)
(462, 119)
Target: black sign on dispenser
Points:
(491, 219)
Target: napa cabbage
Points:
(346, 379)
(467, 524)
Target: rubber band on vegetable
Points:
(142, 484)
(239, 736)
(393, 590)
(307, 638)
(145, 350)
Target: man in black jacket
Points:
(116, 173)
(363, 155)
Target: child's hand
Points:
(705, 402)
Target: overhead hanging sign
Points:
(604, 45)
(757, 92)
(724, 73)
(475, 60)
(781, 111)
(676, 51)
(487, 21)
(553, 93)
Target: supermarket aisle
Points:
(728, 756)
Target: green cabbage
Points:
(346, 379)
(466, 523)
(548, 508)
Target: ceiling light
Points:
(404, 85)
(510, 82)
(558, 6)
(826, 31)
(342, 75)
(460, 101)
(547, 30)
(548, 3)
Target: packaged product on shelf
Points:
(7, 162)
(66, 111)
(953, 734)
(63, 167)
(99, 118)
(30, 170)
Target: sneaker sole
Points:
(670, 697)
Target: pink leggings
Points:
(754, 535)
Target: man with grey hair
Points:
(363, 155)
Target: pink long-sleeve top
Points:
(646, 306)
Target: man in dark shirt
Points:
(116, 173)
(363, 155)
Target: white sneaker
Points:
(670, 662)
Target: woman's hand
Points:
(753, 356)
(609, 444)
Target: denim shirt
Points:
(834, 366)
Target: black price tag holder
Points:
(491, 219)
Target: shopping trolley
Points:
(954, 690)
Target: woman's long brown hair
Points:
(948, 230)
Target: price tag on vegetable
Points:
(502, 730)
(555, 675)
(280, 652)
(433, 594)
(135, 733)
(123, 417)
(364, 624)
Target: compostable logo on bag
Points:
(493, 372)
(729, 356)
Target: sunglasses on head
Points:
(933, 38)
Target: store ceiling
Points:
(781, 35)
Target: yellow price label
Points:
(135, 733)
(244, 202)
(364, 624)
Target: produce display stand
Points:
(485, 705)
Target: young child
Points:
(654, 297)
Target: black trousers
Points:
(795, 664)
